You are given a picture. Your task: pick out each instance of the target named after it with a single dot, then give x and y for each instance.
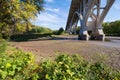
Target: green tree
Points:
(112, 28)
(39, 30)
(115, 27)
(106, 28)
(60, 31)
(78, 29)
(15, 15)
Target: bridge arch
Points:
(73, 25)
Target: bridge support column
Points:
(83, 35)
(98, 34)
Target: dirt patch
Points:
(44, 49)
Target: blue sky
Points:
(56, 14)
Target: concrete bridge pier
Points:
(83, 34)
(98, 34)
(91, 14)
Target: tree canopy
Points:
(112, 28)
(15, 15)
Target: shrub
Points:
(5, 36)
(16, 64)
(67, 67)
(59, 32)
(39, 30)
(63, 68)
(3, 46)
(26, 37)
(55, 32)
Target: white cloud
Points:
(48, 17)
(52, 21)
(55, 10)
(54, 17)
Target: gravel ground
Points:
(47, 49)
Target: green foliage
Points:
(78, 30)
(55, 32)
(3, 46)
(75, 68)
(38, 3)
(16, 64)
(26, 37)
(34, 33)
(0, 36)
(112, 28)
(59, 32)
(63, 68)
(39, 30)
(15, 15)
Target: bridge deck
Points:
(74, 6)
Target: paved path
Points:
(114, 42)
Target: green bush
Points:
(55, 32)
(16, 64)
(75, 68)
(39, 30)
(4, 36)
(63, 68)
(3, 46)
(26, 37)
(59, 32)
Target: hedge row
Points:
(26, 37)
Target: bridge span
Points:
(90, 14)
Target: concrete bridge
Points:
(90, 14)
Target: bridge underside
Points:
(90, 14)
